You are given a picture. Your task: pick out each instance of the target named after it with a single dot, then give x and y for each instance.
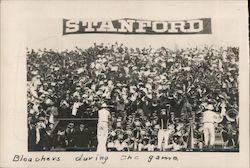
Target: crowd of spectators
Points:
(136, 83)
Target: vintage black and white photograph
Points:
(111, 97)
(124, 84)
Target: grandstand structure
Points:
(66, 89)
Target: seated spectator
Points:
(137, 83)
(82, 137)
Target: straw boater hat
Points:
(147, 124)
(210, 107)
(112, 133)
(104, 105)
(157, 126)
(49, 102)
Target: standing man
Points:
(209, 118)
(163, 133)
(102, 128)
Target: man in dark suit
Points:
(147, 107)
(82, 136)
(70, 135)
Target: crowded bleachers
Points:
(65, 90)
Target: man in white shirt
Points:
(102, 128)
(209, 118)
(75, 107)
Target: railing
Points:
(76, 119)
